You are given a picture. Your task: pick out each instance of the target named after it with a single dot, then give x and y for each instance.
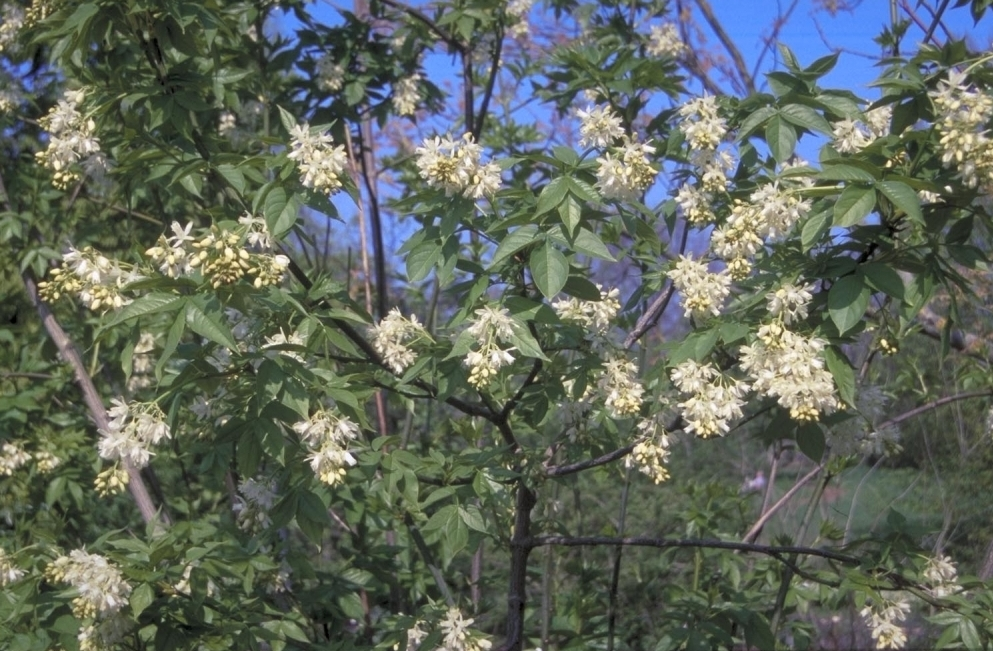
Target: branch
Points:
(447, 39)
(917, 411)
(757, 527)
(571, 468)
(693, 543)
(650, 317)
(739, 61)
(521, 545)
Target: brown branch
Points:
(448, 39)
(917, 411)
(739, 61)
(571, 468)
(757, 527)
(650, 317)
(521, 545)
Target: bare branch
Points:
(739, 61)
(757, 527)
(571, 468)
(934, 404)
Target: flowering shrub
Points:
(335, 442)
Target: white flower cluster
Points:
(963, 116)
(103, 592)
(92, 277)
(328, 434)
(622, 392)
(330, 74)
(9, 573)
(789, 303)
(255, 499)
(134, 429)
(391, 336)
(71, 138)
(715, 399)
(321, 164)
(11, 96)
(664, 41)
(850, 136)
(457, 636)
(12, 19)
(599, 127)
(941, 576)
(651, 453)
(696, 204)
(280, 339)
(703, 292)
(883, 619)
(702, 124)
(626, 172)
(491, 327)
(595, 316)
(456, 167)
(788, 366)
(12, 457)
(406, 94)
(518, 11)
(223, 257)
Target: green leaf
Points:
(141, 598)
(903, 197)
(571, 214)
(422, 259)
(884, 278)
(855, 202)
(280, 211)
(847, 302)
(814, 228)
(589, 244)
(754, 121)
(781, 137)
(822, 66)
(209, 324)
(233, 176)
(550, 269)
(551, 195)
(525, 341)
(844, 172)
(514, 242)
(844, 375)
(580, 287)
(287, 118)
(810, 440)
(806, 117)
(969, 634)
(147, 304)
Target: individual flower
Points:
(134, 429)
(254, 501)
(391, 336)
(456, 167)
(71, 138)
(491, 327)
(330, 74)
(664, 41)
(9, 573)
(103, 592)
(328, 435)
(703, 292)
(883, 617)
(701, 123)
(227, 124)
(322, 165)
(415, 635)
(406, 94)
(256, 232)
(457, 636)
(626, 172)
(599, 127)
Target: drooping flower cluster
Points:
(491, 327)
(963, 114)
(769, 214)
(703, 292)
(71, 138)
(715, 400)
(599, 127)
(851, 136)
(328, 435)
(697, 205)
(595, 316)
(92, 277)
(789, 303)
(134, 429)
(391, 336)
(626, 172)
(651, 453)
(941, 576)
(330, 73)
(518, 11)
(457, 636)
(322, 165)
(883, 617)
(406, 94)
(103, 592)
(702, 124)
(789, 366)
(664, 41)
(618, 385)
(12, 457)
(12, 20)
(254, 501)
(222, 256)
(9, 573)
(456, 167)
